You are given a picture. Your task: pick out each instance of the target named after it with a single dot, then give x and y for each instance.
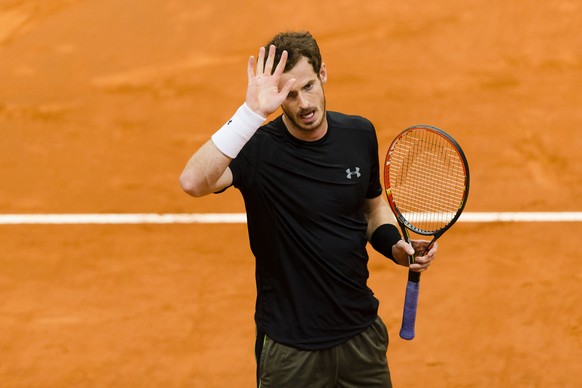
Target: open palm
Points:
(263, 94)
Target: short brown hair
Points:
(297, 45)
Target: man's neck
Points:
(306, 135)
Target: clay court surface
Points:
(103, 101)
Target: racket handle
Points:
(410, 305)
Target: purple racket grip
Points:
(409, 315)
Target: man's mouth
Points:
(307, 115)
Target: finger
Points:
(287, 88)
(421, 247)
(261, 61)
(434, 248)
(428, 256)
(270, 60)
(281, 65)
(251, 68)
(423, 260)
(420, 263)
(406, 247)
(418, 267)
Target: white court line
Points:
(123, 218)
(239, 218)
(522, 217)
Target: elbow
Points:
(190, 186)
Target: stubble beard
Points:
(310, 128)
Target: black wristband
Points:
(383, 238)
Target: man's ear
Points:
(323, 73)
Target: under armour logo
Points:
(351, 173)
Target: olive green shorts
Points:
(358, 363)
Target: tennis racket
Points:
(426, 177)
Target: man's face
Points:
(304, 107)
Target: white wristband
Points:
(233, 135)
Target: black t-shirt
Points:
(307, 229)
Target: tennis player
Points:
(313, 197)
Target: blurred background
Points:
(103, 101)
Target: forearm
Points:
(206, 171)
(382, 232)
(378, 214)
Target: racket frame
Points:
(407, 330)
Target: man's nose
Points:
(303, 101)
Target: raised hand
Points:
(263, 93)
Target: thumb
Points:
(287, 88)
(406, 247)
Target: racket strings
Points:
(427, 180)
